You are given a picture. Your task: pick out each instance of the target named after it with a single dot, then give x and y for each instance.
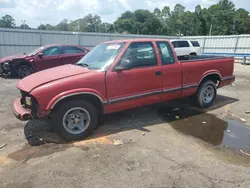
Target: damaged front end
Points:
(26, 107)
(5, 68)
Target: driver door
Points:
(139, 85)
(51, 58)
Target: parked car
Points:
(41, 58)
(186, 47)
(115, 76)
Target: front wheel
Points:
(24, 70)
(75, 120)
(206, 94)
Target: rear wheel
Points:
(24, 70)
(75, 120)
(206, 94)
(193, 54)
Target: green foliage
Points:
(138, 22)
(219, 19)
(7, 22)
(24, 26)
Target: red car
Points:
(118, 75)
(42, 58)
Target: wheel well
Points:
(87, 97)
(17, 64)
(214, 77)
(193, 53)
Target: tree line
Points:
(218, 19)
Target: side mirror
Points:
(40, 54)
(125, 64)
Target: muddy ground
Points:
(171, 145)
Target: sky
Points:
(36, 12)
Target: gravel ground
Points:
(156, 146)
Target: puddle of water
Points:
(28, 152)
(207, 127)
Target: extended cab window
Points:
(166, 53)
(51, 51)
(141, 54)
(72, 50)
(182, 44)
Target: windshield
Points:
(102, 56)
(34, 52)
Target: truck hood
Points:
(14, 57)
(43, 77)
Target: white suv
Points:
(186, 47)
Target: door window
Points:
(141, 54)
(72, 50)
(175, 44)
(195, 43)
(166, 53)
(51, 51)
(182, 44)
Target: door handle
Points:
(158, 73)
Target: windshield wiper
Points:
(83, 64)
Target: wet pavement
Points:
(228, 133)
(159, 146)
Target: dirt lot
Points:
(157, 146)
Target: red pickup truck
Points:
(115, 76)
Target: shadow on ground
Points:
(5, 76)
(179, 114)
(138, 118)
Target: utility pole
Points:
(24, 23)
(210, 31)
(211, 26)
(234, 26)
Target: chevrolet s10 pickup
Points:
(115, 76)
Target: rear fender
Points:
(210, 72)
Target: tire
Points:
(206, 94)
(75, 120)
(193, 54)
(24, 70)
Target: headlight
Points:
(28, 101)
(6, 66)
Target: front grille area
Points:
(34, 106)
(24, 94)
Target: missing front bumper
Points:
(20, 112)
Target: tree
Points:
(106, 28)
(24, 26)
(41, 27)
(126, 23)
(49, 27)
(63, 25)
(221, 17)
(241, 22)
(218, 19)
(7, 22)
(89, 23)
(138, 22)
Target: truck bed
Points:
(196, 67)
(199, 58)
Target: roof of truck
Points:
(138, 40)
